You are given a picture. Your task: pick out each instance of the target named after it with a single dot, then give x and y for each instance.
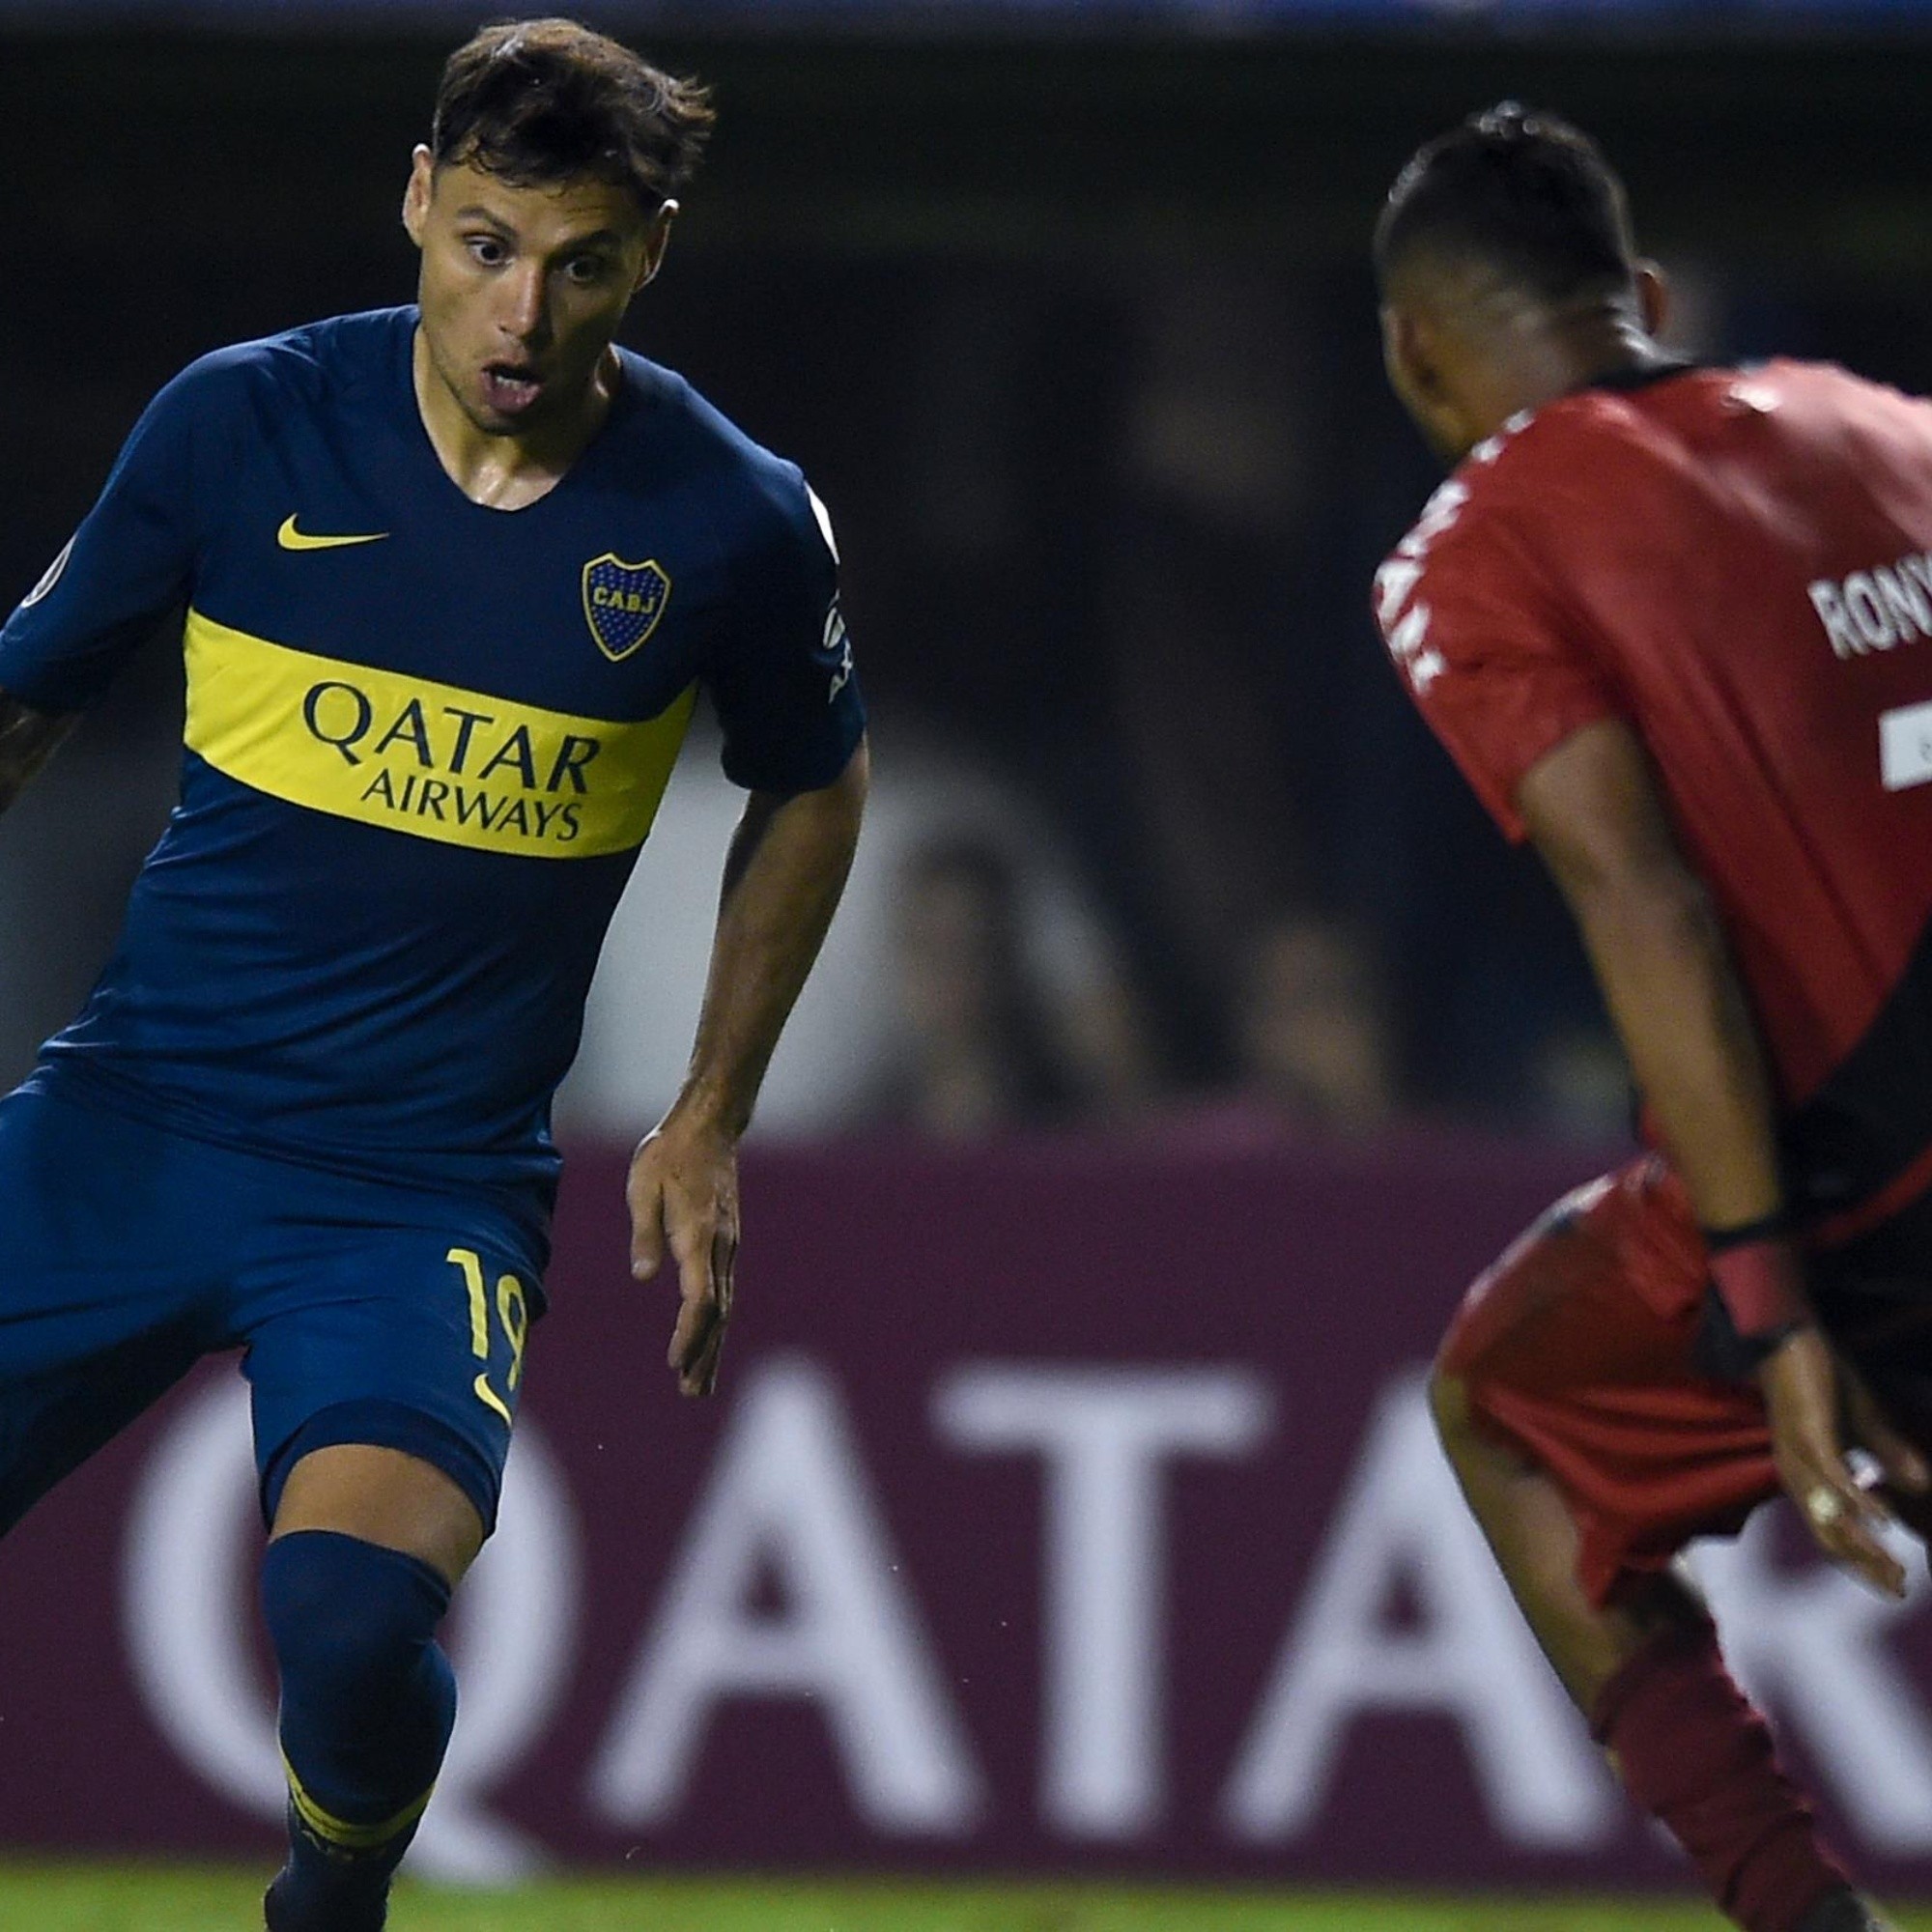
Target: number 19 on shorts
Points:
(512, 1315)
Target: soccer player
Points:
(1674, 623)
(453, 574)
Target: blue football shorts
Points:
(365, 1312)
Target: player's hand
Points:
(683, 1195)
(1817, 1407)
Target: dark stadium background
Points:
(1066, 312)
(933, 265)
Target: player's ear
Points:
(1417, 352)
(1653, 296)
(656, 240)
(416, 195)
(1409, 354)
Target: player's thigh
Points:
(108, 1284)
(386, 1364)
(1579, 1352)
(1606, 1288)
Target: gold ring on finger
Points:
(1824, 1505)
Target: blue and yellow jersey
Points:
(424, 741)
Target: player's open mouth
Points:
(511, 387)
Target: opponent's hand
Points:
(1817, 1406)
(683, 1195)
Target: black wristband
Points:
(1754, 1351)
(1772, 1226)
(1727, 1356)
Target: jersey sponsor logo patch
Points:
(433, 760)
(290, 538)
(56, 570)
(622, 602)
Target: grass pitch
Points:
(157, 1898)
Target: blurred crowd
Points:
(1157, 840)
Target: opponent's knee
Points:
(350, 1621)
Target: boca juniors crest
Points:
(623, 602)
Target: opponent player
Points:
(1675, 625)
(452, 576)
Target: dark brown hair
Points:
(1525, 193)
(538, 102)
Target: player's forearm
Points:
(782, 879)
(1673, 995)
(27, 740)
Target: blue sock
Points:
(368, 1699)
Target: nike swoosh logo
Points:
(290, 538)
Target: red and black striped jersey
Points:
(1738, 562)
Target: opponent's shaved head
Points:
(1512, 203)
(1508, 276)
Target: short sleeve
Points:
(134, 557)
(782, 675)
(1499, 672)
